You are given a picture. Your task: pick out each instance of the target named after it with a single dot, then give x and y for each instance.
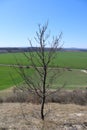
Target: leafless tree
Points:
(40, 59)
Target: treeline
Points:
(27, 49)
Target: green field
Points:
(7, 77)
(73, 79)
(75, 60)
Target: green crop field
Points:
(12, 58)
(73, 79)
(75, 60)
(7, 75)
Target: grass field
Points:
(73, 79)
(7, 74)
(74, 60)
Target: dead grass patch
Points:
(59, 117)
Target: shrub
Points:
(76, 97)
(63, 97)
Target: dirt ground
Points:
(26, 116)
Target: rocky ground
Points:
(26, 116)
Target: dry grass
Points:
(24, 116)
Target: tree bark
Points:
(42, 108)
(44, 92)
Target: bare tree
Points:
(40, 59)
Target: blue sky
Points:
(19, 21)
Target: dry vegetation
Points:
(77, 96)
(15, 115)
(25, 116)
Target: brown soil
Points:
(26, 116)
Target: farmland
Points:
(6, 74)
(76, 61)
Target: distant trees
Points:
(39, 61)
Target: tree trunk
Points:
(42, 108)
(44, 92)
